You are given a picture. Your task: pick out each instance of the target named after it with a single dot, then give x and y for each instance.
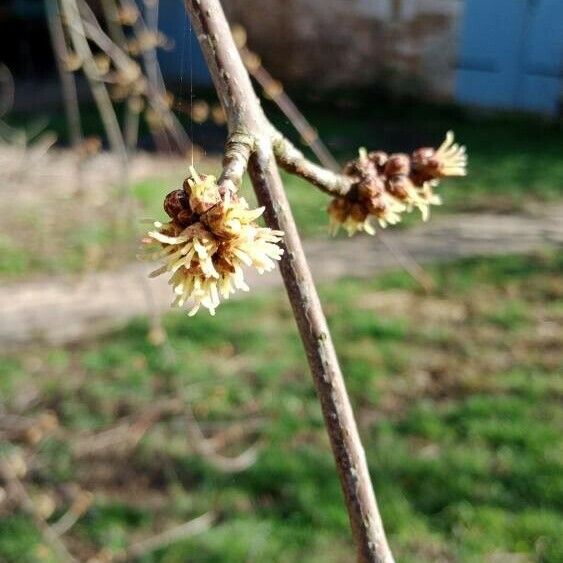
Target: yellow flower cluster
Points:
(207, 243)
(385, 186)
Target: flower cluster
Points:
(384, 186)
(211, 236)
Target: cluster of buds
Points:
(385, 186)
(211, 236)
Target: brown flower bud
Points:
(199, 111)
(397, 164)
(379, 159)
(398, 186)
(371, 187)
(185, 218)
(376, 206)
(176, 202)
(425, 166)
(338, 208)
(357, 167)
(358, 212)
(421, 156)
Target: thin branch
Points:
(294, 161)
(188, 529)
(157, 89)
(245, 116)
(111, 16)
(16, 486)
(274, 90)
(101, 96)
(132, 113)
(115, 48)
(68, 82)
(127, 66)
(207, 450)
(79, 506)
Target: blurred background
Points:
(132, 433)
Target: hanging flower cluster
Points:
(385, 186)
(210, 238)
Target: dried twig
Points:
(253, 143)
(99, 91)
(157, 89)
(16, 487)
(275, 91)
(7, 90)
(208, 451)
(290, 158)
(77, 509)
(188, 529)
(68, 83)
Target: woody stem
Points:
(246, 118)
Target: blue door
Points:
(511, 54)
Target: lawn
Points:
(457, 394)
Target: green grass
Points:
(457, 395)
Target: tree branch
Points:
(68, 84)
(274, 90)
(246, 117)
(164, 539)
(99, 92)
(294, 161)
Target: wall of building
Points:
(405, 45)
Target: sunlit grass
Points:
(456, 394)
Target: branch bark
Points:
(290, 158)
(68, 84)
(274, 89)
(101, 97)
(246, 118)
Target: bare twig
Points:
(123, 62)
(99, 91)
(17, 488)
(77, 509)
(188, 529)
(157, 89)
(207, 450)
(245, 117)
(293, 160)
(111, 16)
(274, 90)
(7, 90)
(115, 48)
(132, 113)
